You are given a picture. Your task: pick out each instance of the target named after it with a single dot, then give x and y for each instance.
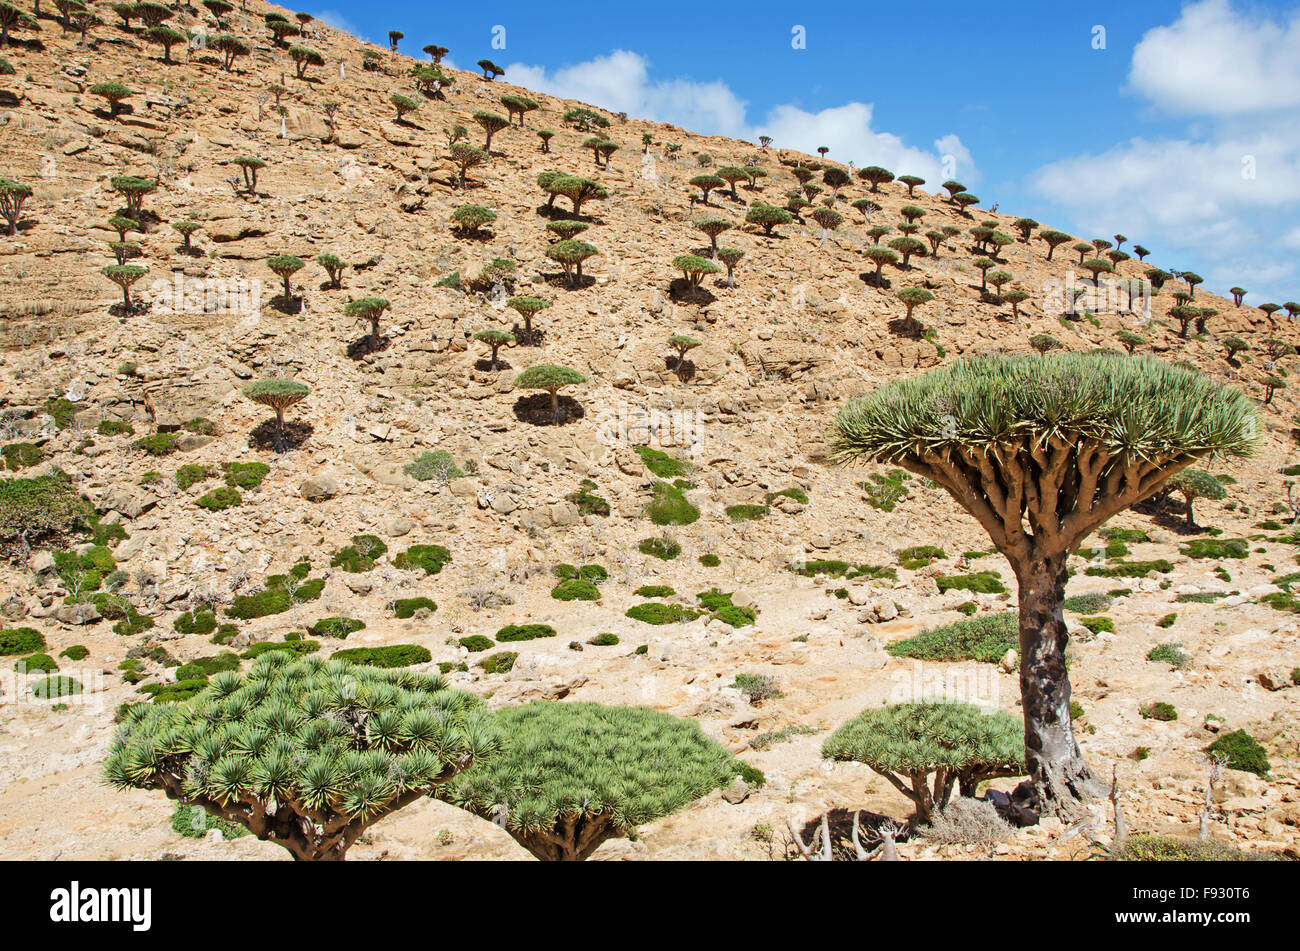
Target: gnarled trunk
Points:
(1061, 778)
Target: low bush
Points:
(1170, 653)
(392, 655)
(475, 643)
(980, 582)
(21, 640)
(662, 548)
(336, 627)
(655, 612)
(220, 499)
(1243, 752)
(576, 589)
(426, 558)
(524, 632)
(920, 556)
(985, 639)
(404, 608)
(1158, 710)
(201, 621)
(498, 663)
(757, 687)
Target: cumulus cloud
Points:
(1214, 60)
(1221, 197)
(621, 82)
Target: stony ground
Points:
(801, 332)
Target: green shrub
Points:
(1216, 548)
(337, 627)
(576, 589)
(45, 508)
(662, 464)
(157, 444)
(37, 663)
(204, 667)
(587, 502)
(984, 639)
(191, 474)
(1098, 625)
(919, 556)
(245, 475)
(21, 640)
(654, 591)
(1158, 710)
(663, 548)
(361, 555)
(201, 621)
(392, 655)
(968, 608)
(1130, 569)
(1089, 603)
(669, 506)
(52, 688)
(1201, 597)
(1147, 847)
(1168, 620)
(436, 465)
(1170, 653)
(475, 643)
(980, 582)
(842, 569)
(248, 607)
(1131, 535)
(426, 558)
(405, 608)
(654, 612)
(747, 513)
(710, 561)
(75, 652)
(1242, 751)
(290, 645)
(524, 632)
(220, 499)
(757, 687)
(21, 455)
(604, 640)
(799, 495)
(498, 663)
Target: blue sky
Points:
(1182, 132)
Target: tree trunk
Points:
(1061, 778)
(279, 429)
(555, 406)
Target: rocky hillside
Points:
(415, 469)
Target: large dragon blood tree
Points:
(1042, 451)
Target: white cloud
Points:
(337, 20)
(1221, 197)
(621, 82)
(1215, 61)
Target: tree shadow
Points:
(561, 280)
(296, 433)
(191, 251)
(485, 365)
(104, 112)
(685, 369)
(477, 234)
(907, 327)
(872, 279)
(360, 349)
(536, 409)
(681, 292)
(524, 338)
(136, 309)
(290, 306)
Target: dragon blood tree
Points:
(306, 753)
(1042, 451)
(544, 376)
(571, 775)
(279, 395)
